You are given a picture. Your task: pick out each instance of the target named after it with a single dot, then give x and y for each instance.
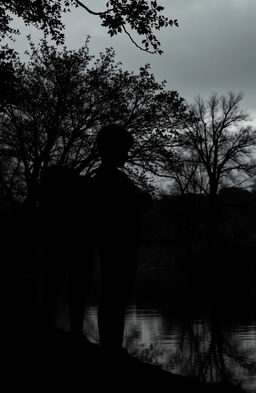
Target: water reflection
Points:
(199, 345)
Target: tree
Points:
(119, 16)
(187, 176)
(217, 146)
(62, 98)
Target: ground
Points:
(67, 364)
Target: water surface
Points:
(191, 327)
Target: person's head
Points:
(113, 144)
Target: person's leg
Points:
(54, 270)
(53, 281)
(118, 273)
(79, 282)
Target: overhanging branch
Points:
(135, 43)
(91, 11)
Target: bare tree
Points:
(216, 147)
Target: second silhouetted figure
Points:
(67, 243)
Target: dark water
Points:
(198, 346)
(189, 329)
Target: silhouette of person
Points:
(66, 232)
(119, 203)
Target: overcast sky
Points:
(214, 48)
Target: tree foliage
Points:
(61, 98)
(143, 17)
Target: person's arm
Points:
(145, 201)
(139, 200)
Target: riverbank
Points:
(66, 364)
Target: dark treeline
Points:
(177, 227)
(177, 220)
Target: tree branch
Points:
(135, 43)
(90, 11)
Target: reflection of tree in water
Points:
(201, 348)
(205, 351)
